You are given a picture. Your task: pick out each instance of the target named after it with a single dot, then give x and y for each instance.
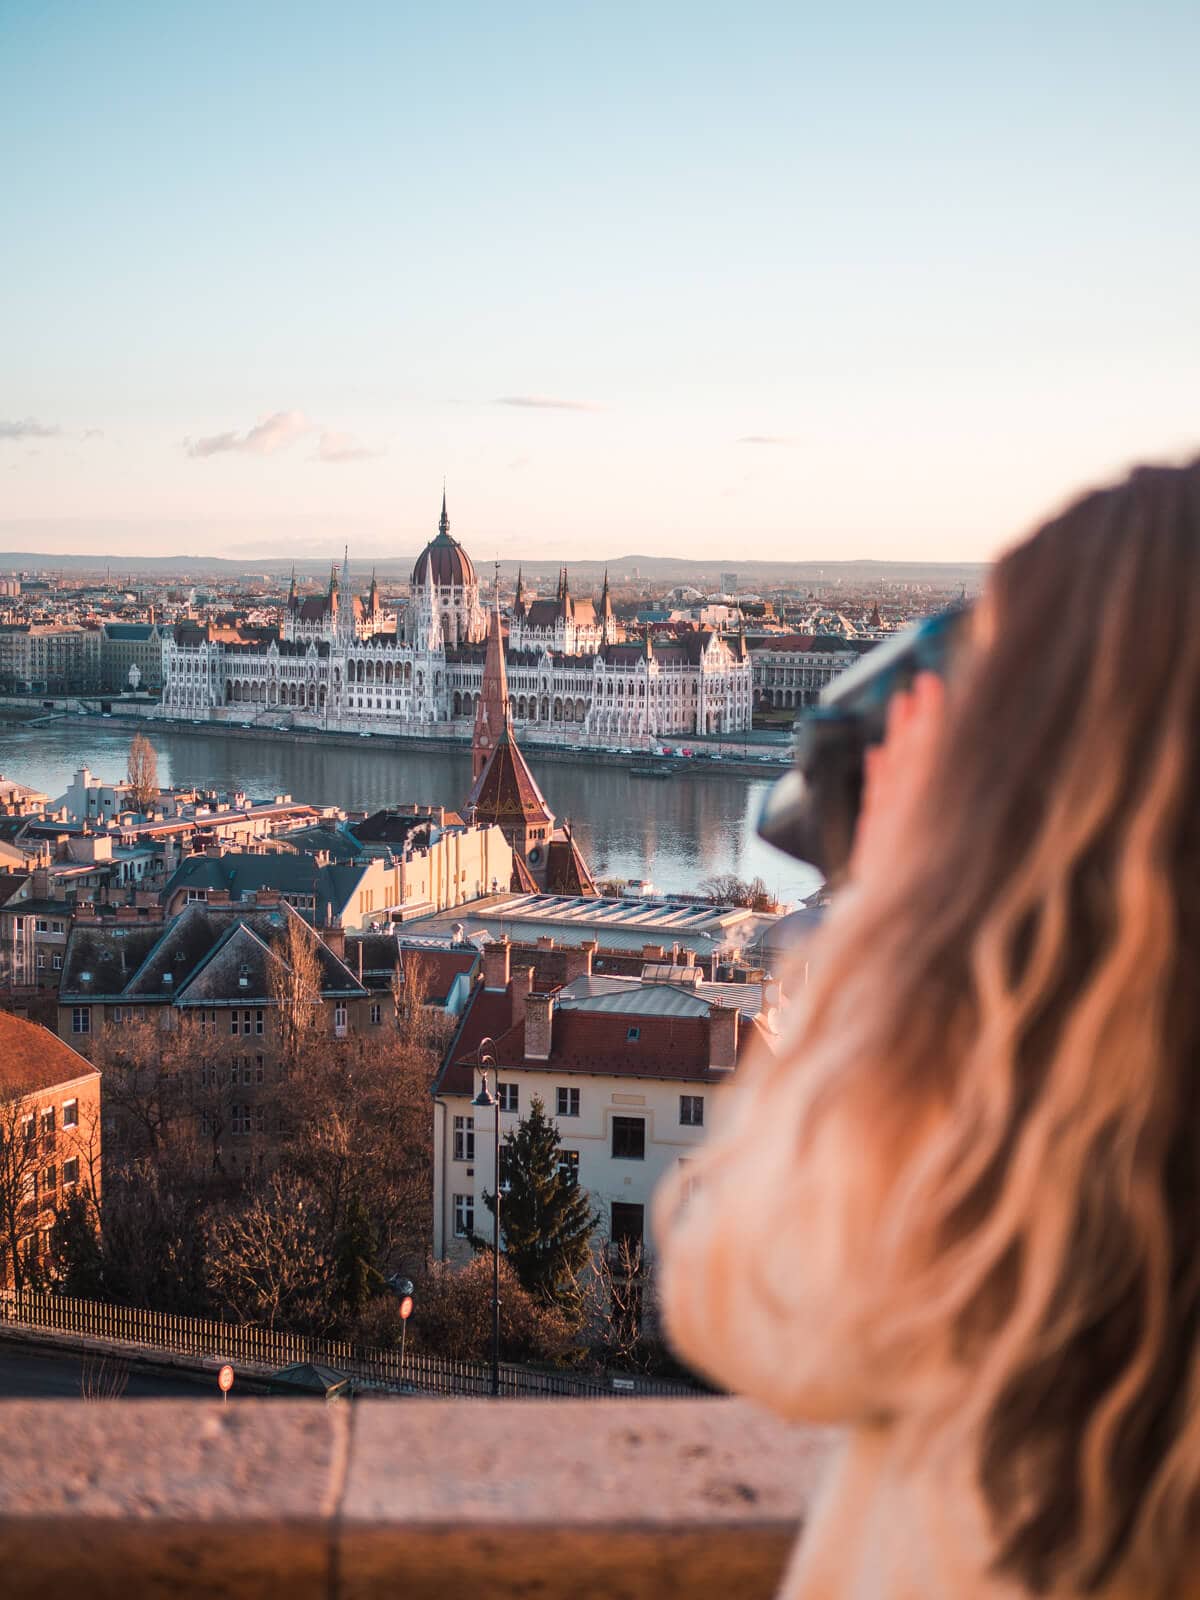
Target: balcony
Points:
(424, 1498)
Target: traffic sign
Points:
(225, 1379)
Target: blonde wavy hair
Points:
(1007, 1037)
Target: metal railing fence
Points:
(266, 1350)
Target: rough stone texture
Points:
(386, 1497)
(573, 1498)
(161, 1497)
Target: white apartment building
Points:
(631, 1070)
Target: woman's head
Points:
(1025, 985)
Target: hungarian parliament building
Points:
(339, 661)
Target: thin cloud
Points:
(27, 428)
(272, 434)
(785, 441)
(93, 433)
(336, 448)
(541, 402)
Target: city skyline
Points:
(659, 281)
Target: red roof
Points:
(598, 1042)
(32, 1058)
(506, 790)
(672, 1047)
(566, 871)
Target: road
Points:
(27, 1375)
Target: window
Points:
(50, 1182)
(41, 961)
(246, 1071)
(48, 1123)
(259, 1069)
(568, 1102)
(628, 1225)
(233, 1022)
(631, 1034)
(81, 1019)
(510, 1095)
(70, 1113)
(28, 1131)
(464, 1138)
(339, 1020)
(258, 1022)
(70, 1172)
(629, 1138)
(691, 1110)
(239, 1120)
(464, 1216)
(376, 1015)
(568, 1166)
(56, 963)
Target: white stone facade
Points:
(421, 672)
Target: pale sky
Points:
(789, 280)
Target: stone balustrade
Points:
(400, 1497)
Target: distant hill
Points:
(750, 574)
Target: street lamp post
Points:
(487, 1057)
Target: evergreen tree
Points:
(546, 1221)
(76, 1254)
(354, 1273)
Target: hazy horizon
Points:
(809, 284)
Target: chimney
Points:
(653, 952)
(723, 1037)
(545, 941)
(496, 964)
(689, 958)
(334, 936)
(539, 1026)
(579, 960)
(520, 988)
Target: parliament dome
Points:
(450, 564)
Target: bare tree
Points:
(727, 889)
(412, 985)
(20, 1158)
(268, 1261)
(358, 1123)
(141, 772)
(295, 985)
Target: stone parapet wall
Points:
(400, 1497)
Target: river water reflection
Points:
(675, 832)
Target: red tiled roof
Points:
(522, 880)
(488, 1015)
(441, 967)
(32, 1058)
(566, 871)
(598, 1042)
(506, 790)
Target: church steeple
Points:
(492, 718)
(606, 612)
(444, 520)
(292, 596)
(373, 596)
(519, 600)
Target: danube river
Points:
(676, 831)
